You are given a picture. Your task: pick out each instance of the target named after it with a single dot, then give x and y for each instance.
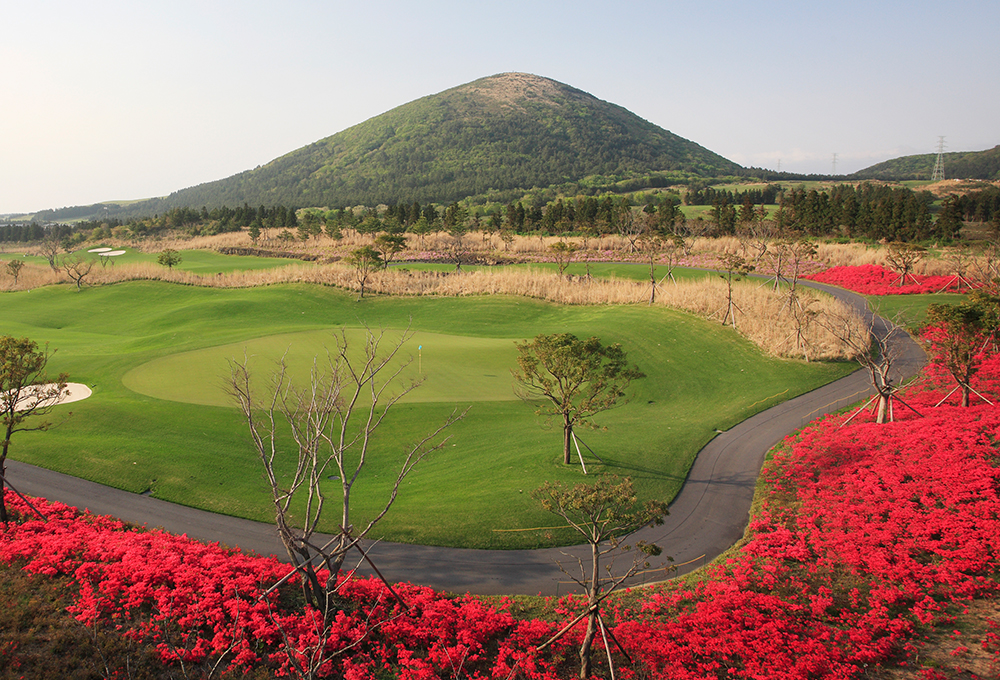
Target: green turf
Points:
(911, 310)
(474, 492)
(452, 368)
(211, 262)
(195, 261)
(621, 270)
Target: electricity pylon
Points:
(938, 174)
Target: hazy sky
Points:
(107, 100)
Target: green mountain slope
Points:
(957, 165)
(506, 132)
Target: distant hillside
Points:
(957, 165)
(76, 212)
(511, 131)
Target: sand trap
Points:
(99, 250)
(73, 392)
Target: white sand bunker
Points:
(73, 392)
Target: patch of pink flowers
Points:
(870, 279)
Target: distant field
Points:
(621, 270)
(197, 261)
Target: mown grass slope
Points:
(700, 377)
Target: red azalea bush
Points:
(870, 279)
(867, 536)
(197, 601)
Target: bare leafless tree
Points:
(902, 257)
(986, 264)
(755, 238)
(631, 225)
(959, 261)
(77, 268)
(652, 244)
(795, 253)
(734, 267)
(50, 246)
(802, 317)
(877, 345)
(331, 420)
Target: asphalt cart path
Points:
(706, 518)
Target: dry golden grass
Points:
(235, 239)
(765, 317)
(31, 276)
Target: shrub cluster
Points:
(871, 279)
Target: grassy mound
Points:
(453, 368)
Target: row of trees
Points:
(700, 194)
(582, 214)
(21, 233)
(976, 206)
(867, 211)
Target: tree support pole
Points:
(4, 482)
(578, 453)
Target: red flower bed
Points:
(197, 601)
(869, 534)
(893, 525)
(870, 279)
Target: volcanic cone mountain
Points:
(507, 132)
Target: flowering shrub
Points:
(870, 279)
(991, 643)
(867, 536)
(892, 524)
(195, 601)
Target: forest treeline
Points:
(864, 212)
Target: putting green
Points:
(453, 368)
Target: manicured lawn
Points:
(621, 270)
(211, 262)
(156, 355)
(453, 368)
(195, 261)
(911, 310)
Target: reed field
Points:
(764, 315)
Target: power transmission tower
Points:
(938, 174)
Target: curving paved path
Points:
(708, 516)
